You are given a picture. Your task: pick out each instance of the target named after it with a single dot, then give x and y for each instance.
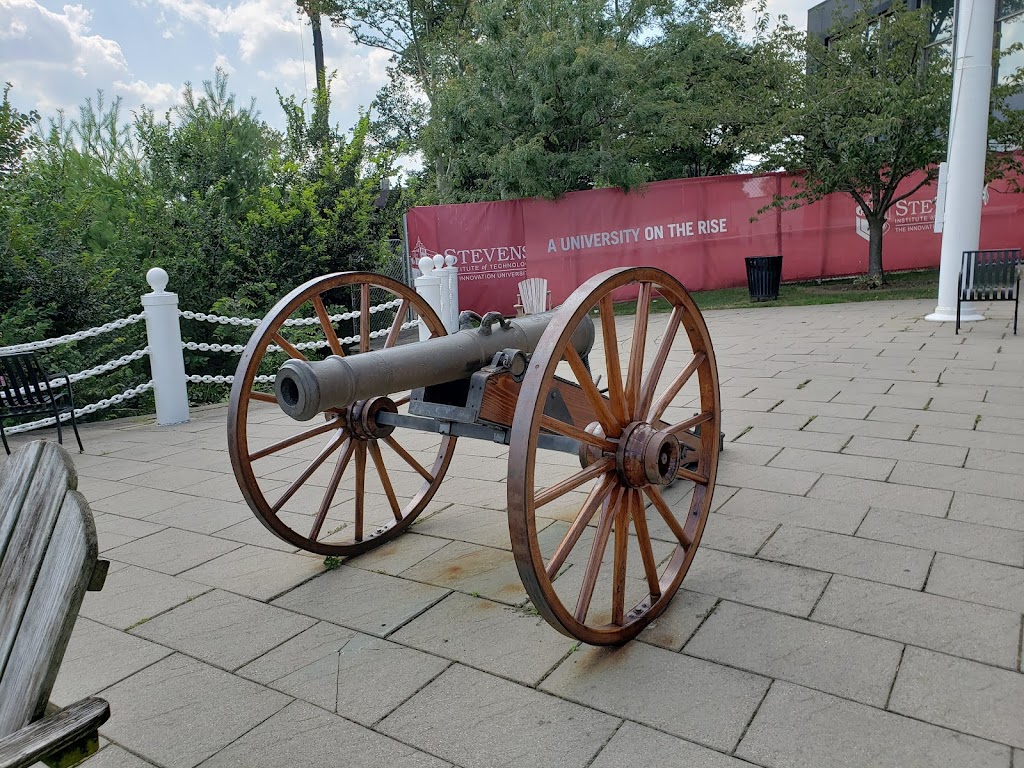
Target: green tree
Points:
(17, 134)
(872, 112)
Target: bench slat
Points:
(34, 520)
(59, 731)
(15, 479)
(52, 608)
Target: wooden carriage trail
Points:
(855, 599)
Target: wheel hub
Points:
(361, 418)
(646, 456)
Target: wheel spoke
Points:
(403, 400)
(670, 519)
(690, 423)
(328, 327)
(636, 352)
(327, 426)
(579, 525)
(332, 489)
(559, 427)
(360, 488)
(654, 374)
(263, 397)
(288, 347)
(321, 457)
(677, 383)
(385, 479)
(604, 528)
(364, 320)
(692, 476)
(611, 356)
(396, 325)
(643, 537)
(553, 492)
(611, 427)
(622, 519)
(408, 458)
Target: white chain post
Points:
(453, 292)
(163, 330)
(428, 285)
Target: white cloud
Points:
(159, 97)
(224, 63)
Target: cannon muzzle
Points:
(306, 388)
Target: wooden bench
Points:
(48, 559)
(25, 390)
(990, 276)
(533, 297)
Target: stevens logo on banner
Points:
(905, 216)
(490, 263)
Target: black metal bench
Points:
(26, 390)
(989, 276)
(48, 559)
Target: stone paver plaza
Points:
(857, 598)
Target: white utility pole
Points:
(968, 143)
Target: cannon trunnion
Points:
(611, 424)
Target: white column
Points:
(453, 290)
(968, 143)
(428, 285)
(163, 329)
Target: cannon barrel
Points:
(306, 388)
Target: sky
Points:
(56, 54)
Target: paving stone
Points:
(138, 502)
(949, 455)
(360, 677)
(800, 728)
(174, 478)
(883, 429)
(982, 701)
(252, 531)
(749, 453)
(399, 554)
(97, 657)
(479, 721)
(783, 438)
(757, 582)
(302, 735)
(987, 510)
(112, 756)
(923, 501)
(931, 621)
(635, 746)
(767, 478)
(741, 535)
(179, 711)
(505, 641)
(995, 461)
(960, 420)
(970, 438)
(1000, 586)
(833, 516)
(370, 602)
(114, 469)
(476, 525)
(955, 479)
(96, 490)
(202, 515)
(223, 629)
(680, 620)
(490, 573)
(172, 550)
(811, 408)
(834, 463)
(851, 556)
(259, 573)
(113, 530)
(688, 697)
(132, 594)
(848, 664)
(980, 541)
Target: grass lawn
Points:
(903, 285)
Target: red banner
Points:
(699, 230)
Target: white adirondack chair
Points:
(534, 297)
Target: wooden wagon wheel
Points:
(325, 486)
(649, 460)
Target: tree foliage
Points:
(872, 111)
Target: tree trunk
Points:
(318, 52)
(876, 225)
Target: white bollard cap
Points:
(426, 264)
(438, 261)
(450, 260)
(157, 279)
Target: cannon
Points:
(610, 423)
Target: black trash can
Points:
(764, 273)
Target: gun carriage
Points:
(612, 431)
